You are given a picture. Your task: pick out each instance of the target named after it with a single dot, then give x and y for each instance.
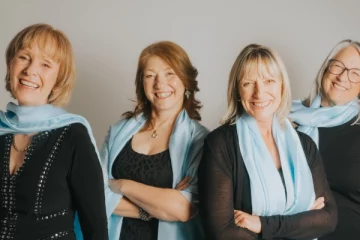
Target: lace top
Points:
(154, 170)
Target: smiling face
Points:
(337, 89)
(260, 94)
(162, 87)
(32, 76)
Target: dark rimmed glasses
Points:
(336, 67)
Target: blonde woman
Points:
(259, 178)
(49, 166)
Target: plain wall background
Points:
(108, 36)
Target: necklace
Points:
(19, 149)
(154, 134)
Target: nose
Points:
(343, 76)
(159, 81)
(258, 89)
(31, 68)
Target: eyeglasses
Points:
(336, 67)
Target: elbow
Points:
(179, 212)
(186, 211)
(331, 220)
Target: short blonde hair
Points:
(257, 59)
(57, 46)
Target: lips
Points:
(339, 87)
(261, 104)
(29, 84)
(162, 95)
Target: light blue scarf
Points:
(186, 144)
(310, 118)
(268, 195)
(29, 119)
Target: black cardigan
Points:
(224, 185)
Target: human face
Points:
(33, 75)
(260, 96)
(337, 89)
(163, 88)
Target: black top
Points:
(224, 185)
(154, 170)
(340, 150)
(61, 174)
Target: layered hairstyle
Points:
(179, 61)
(256, 60)
(55, 45)
(318, 87)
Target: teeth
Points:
(28, 84)
(339, 87)
(163, 95)
(262, 104)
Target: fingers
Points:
(239, 218)
(319, 203)
(183, 184)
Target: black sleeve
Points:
(87, 185)
(310, 224)
(216, 191)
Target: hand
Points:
(319, 204)
(185, 183)
(247, 221)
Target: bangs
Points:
(51, 42)
(260, 65)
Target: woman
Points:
(258, 177)
(153, 154)
(49, 164)
(333, 125)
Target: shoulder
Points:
(198, 130)
(77, 132)
(118, 124)
(309, 147)
(223, 133)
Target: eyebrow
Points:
(152, 70)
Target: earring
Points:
(187, 94)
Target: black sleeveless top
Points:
(154, 170)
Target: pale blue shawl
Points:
(186, 145)
(310, 118)
(268, 196)
(32, 119)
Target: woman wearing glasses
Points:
(330, 115)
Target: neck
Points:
(161, 118)
(265, 127)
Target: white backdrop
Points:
(108, 36)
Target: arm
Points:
(115, 202)
(161, 203)
(86, 185)
(126, 208)
(169, 204)
(216, 191)
(309, 224)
